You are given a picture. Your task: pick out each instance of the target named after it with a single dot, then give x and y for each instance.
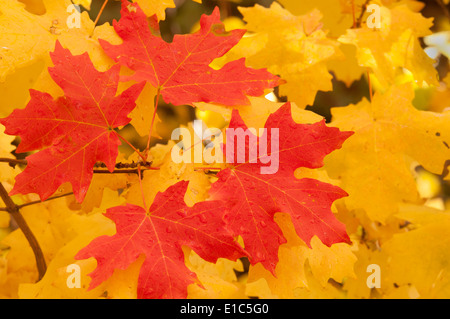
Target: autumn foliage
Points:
(89, 178)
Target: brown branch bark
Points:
(40, 202)
(13, 162)
(14, 210)
(444, 8)
(361, 15)
(120, 167)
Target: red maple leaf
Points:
(181, 69)
(73, 132)
(159, 235)
(257, 196)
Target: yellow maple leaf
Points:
(291, 272)
(142, 114)
(337, 18)
(394, 45)
(356, 287)
(27, 39)
(99, 183)
(14, 90)
(84, 3)
(158, 7)
(420, 256)
(219, 280)
(374, 164)
(344, 65)
(330, 262)
(338, 14)
(293, 47)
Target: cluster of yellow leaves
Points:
(29, 36)
(303, 42)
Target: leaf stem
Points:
(122, 168)
(142, 188)
(370, 85)
(40, 202)
(354, 14)
(100, 12)
(132, 146)
(363, 11)
(153, 119)
(13, 209)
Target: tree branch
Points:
(361, 15)
(13, 209)
(444, 8)
(121, 168)
(13, 162)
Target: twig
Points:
(13, 162)
(132, 146)
(39, 201)
(13, 209)
(121, 168)
(444, 8)
(99, 14)
(123, 171)
(361, 15)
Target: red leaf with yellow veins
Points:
(159, 235)
(180, 70)
(264, 184)
(72, 132)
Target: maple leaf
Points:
(74, 131)
(292, 269)
(219, 280)
(338, 16)
(28, 33)
(257, 197)
(389, 132)
(159, 234)
(425, 246)
(62, 232)
(180, 70)
(28, 37)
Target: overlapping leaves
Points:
(74, 132)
